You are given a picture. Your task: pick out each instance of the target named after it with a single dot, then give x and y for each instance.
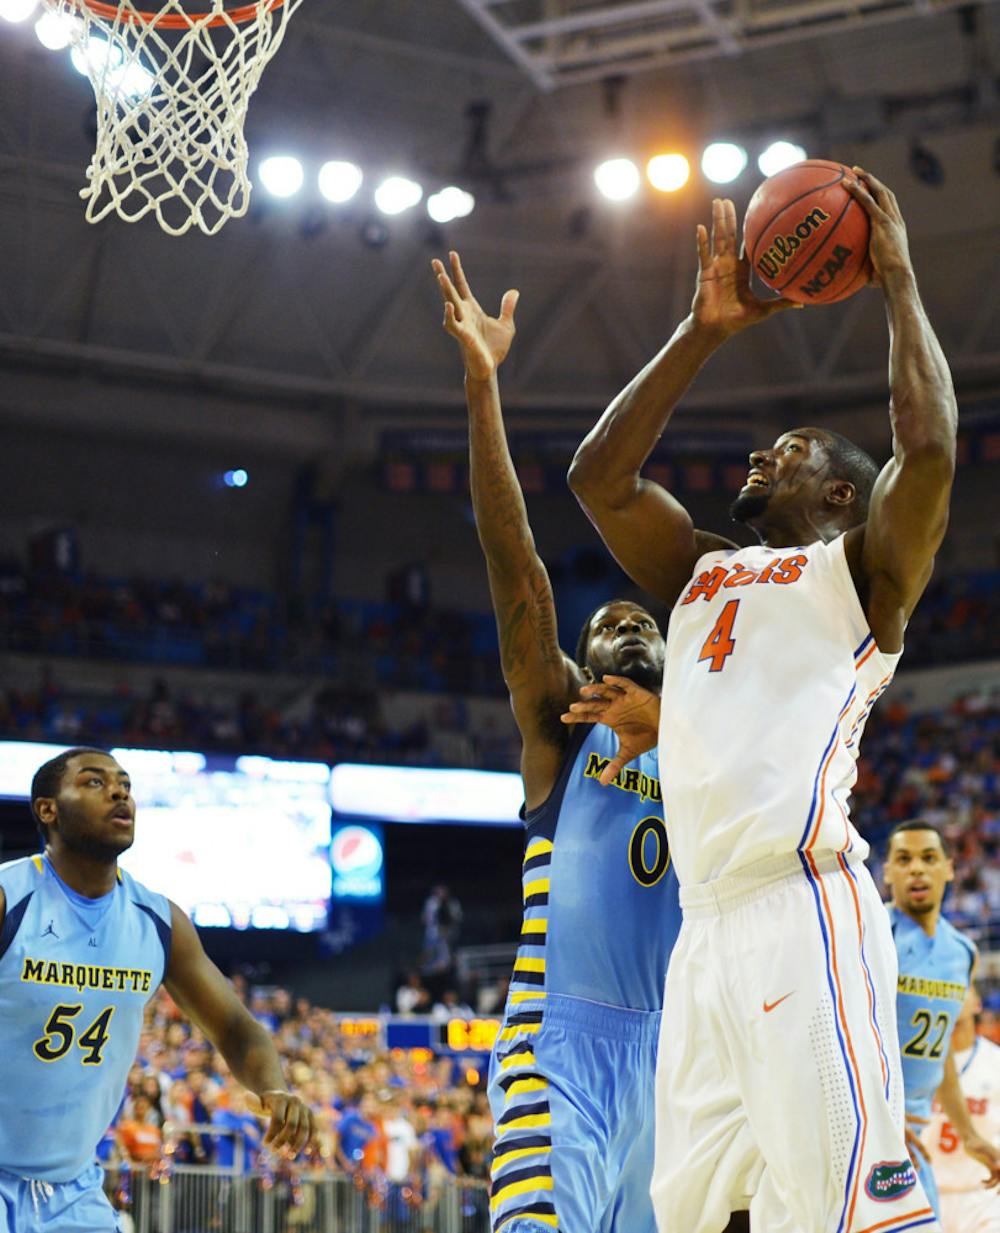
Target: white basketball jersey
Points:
(979, 1070)
(771, 671)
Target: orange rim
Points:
(178, 21)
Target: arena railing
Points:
(209, 1199)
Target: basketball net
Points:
(172, 85)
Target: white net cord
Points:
(172, 84)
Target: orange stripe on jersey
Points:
(871, 650)
(822, 782)
(894, 1221)
(842, 1016)
(868, 988)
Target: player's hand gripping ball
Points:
(805, 236)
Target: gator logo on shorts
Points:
(889, 1180)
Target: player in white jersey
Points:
(966, 1205)
(779, 1078)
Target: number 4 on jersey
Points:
(720, 643)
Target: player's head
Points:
(620, 638)
(82, 802)
(918, 867)
(810, 477)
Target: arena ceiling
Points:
(288, 329)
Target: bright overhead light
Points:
(236, 479)
(617, 178)
(778, 156)
(282, 175)
(55, 30)
(339, 181)
(397, 194)
(449, 203)
(723, 161)
(17, 10)
(95, 58)
(668, 172)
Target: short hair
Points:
(583, 642)
(850, 462)
(47, 780)
(917, 824)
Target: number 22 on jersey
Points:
(720, 643)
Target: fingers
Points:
(861, 194)
(731, 226)
(612, 770)
(624, 683)
(704, 256)
(291, 1125)
(461, 282)
(770, 307)
(584, 712)
(508, 304)
(879, 191)
(447, 288)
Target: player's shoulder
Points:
(958, 938)
(21, 875)
(142, 897)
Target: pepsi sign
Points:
(357, 858)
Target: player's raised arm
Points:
(908, 512)
(207, 998)
(649, 532)
(541, 679)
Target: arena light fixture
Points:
(397, 194)
(17, 10)
(617, 178)
(95, 56)
(450, 203)
(778, 156)
(722, 162)
(282, 175)
(55, 31)
(238, 478)
(132, 81)
(668, 172)
(339, 181)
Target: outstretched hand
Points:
(484, 340)
(290, 1120)
(631, 712)
(724, 301)
(888, 248)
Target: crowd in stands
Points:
(339, 724)
(406, 644)
(944, 766)
(403, 1120)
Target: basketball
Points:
(806, 237)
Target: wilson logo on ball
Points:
(783, 247)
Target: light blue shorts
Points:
(572, 1094)
(79, 1206)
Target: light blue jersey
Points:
(75, 976)
(571, 1081)
(934, 976)
(601, 910)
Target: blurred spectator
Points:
(411, 996)
(138, 1136)
(442, 919)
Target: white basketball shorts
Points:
(778, 1079)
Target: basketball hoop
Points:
(172, 86)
